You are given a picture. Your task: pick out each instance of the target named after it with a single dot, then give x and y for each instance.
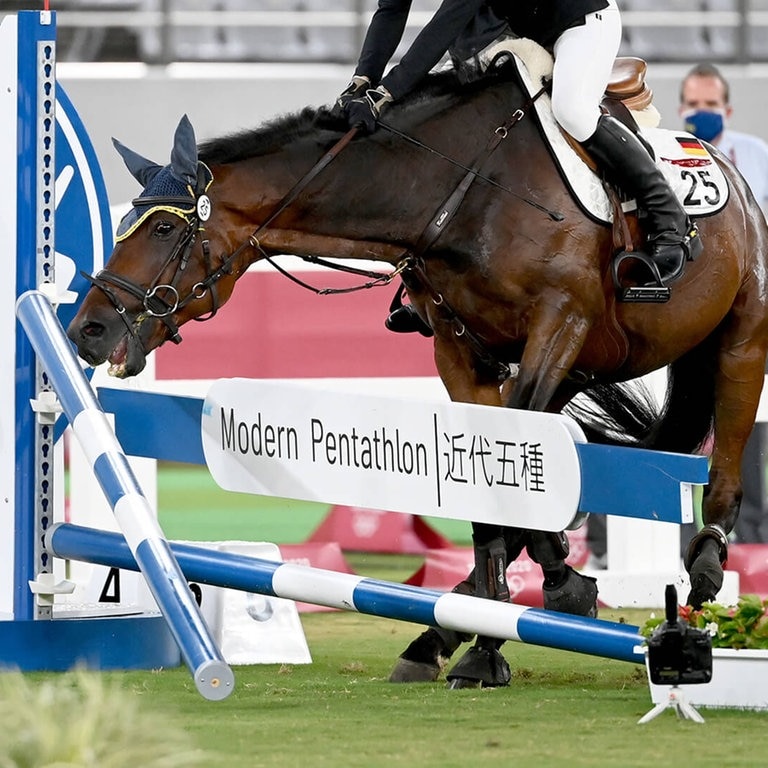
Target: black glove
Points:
(364, 112)
(356, 88)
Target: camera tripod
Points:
(677, 701)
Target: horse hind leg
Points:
(704, 560)
(738, 384)
(707, 551)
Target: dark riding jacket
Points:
(541, 20)
(388, 25)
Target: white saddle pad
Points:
(694, 176)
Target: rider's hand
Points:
(364, 112)
(356, 88)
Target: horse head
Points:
(152, 284)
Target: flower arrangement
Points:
(744, 625)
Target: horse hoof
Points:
(407, 671)
(576, 595)
(702, 591)
(480, 666)
(426, 656)
(706, 575)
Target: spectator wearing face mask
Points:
(706, 111)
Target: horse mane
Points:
(320, 126)
(263, 140)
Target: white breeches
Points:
(584, 57)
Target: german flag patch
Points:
(691, 146)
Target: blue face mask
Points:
(704, 124)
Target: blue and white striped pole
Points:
(213, 677)
(355, 593)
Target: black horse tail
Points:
(628, 414)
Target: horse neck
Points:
(311, 225)
(365, 204)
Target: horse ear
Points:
(184, 153)
(141, 169)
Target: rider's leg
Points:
(584, 56)
(672, 238)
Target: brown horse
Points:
(519, 275)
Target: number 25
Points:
(710, 194)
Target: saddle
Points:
(627, 84)
(627, 98)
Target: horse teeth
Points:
(117, 370)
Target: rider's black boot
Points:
(406, 319)
(672, 238)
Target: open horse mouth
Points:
(127, 357)
(118, 359)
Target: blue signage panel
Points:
(83, 222)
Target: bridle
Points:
(163, 300)
(164, 306)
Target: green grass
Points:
(191, 506)
(560, 709)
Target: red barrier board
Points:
(271, 328)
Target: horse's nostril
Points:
(92, 330)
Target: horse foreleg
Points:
(464, 380)
(551, 350)
(739, 382)
(426, 656)
(483, 664)
(553, 346)
(495, 547)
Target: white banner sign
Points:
(453, 460)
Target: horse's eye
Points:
(163, 229)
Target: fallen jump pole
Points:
(355, 593)
(149, 548)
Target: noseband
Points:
(162, 300)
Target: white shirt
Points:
(750, 155)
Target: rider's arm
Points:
(382, 38)
(450, 19)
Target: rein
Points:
(379, 278)
(500, 134)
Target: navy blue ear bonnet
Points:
(167, 188)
